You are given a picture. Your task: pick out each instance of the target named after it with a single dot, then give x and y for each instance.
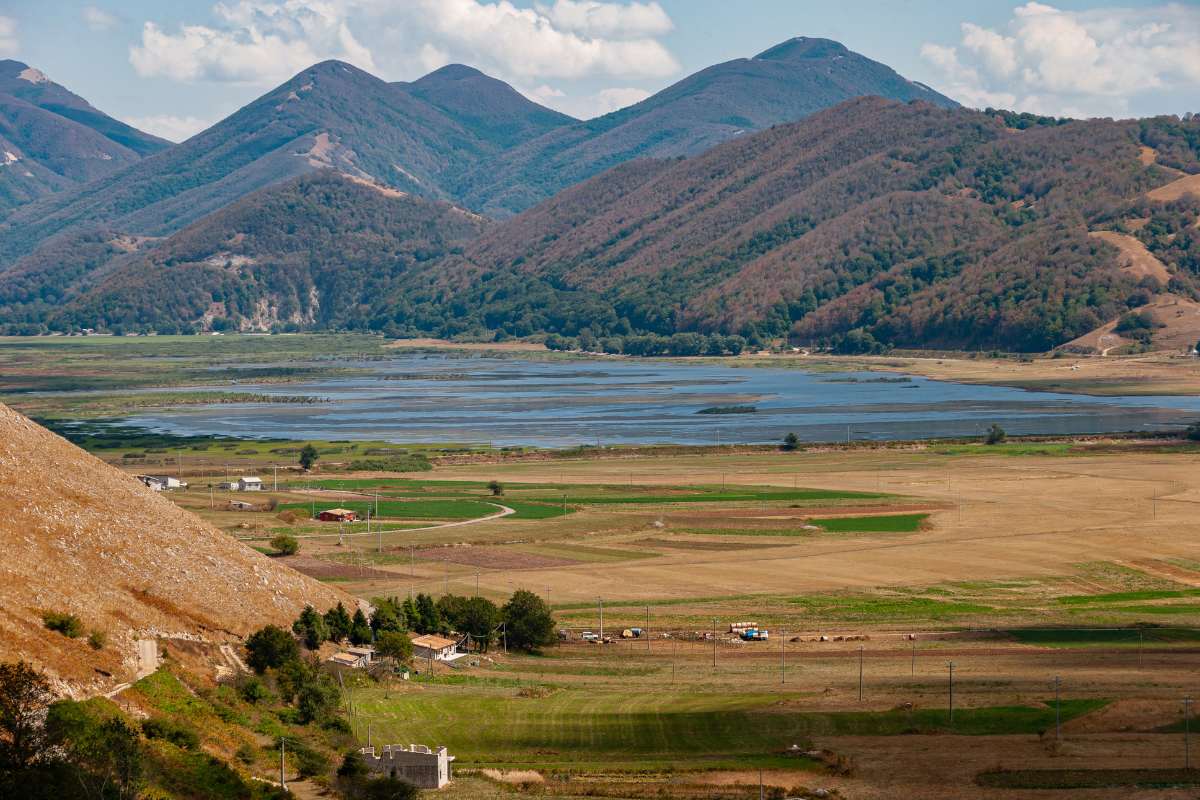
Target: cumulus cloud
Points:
(255, 41)
(619, 97)
(528, 43)
(616, 20)
(1076, 63)
(169, 127)
(265, 41)
(98, 19)
(8, 36)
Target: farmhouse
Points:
(417, 764)
(337, 515)
(439, 648)
(249, 484)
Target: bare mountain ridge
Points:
(82, 537)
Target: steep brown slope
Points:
(82, 537)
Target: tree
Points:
(528, 622)
(338, 622)
(1193, 432)
(270, 647)
(429, 620)
(308, 457)
(452, 607)
(995, 435)
(310, 627)
(480, 617)
(394, 645)
(104, 754)
(285, 544)
(496, 488)
(24, 697)
(791, 442)
(360, 629)
(317, 697)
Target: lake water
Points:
(421, 398)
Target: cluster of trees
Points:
(525, 619)
(677, 344)
(53, 749)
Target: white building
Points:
(249, 484)
(168, 482)
(417, 764)
(439, 648)
(151, 482)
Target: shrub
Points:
(177, 733)
(68, 625)
(97, 640)
(246, 754)
(495, 488)
(995, 435)
(285, 545)
(253, 690)
(270, 647)
(791, 442)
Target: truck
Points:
(755, 635)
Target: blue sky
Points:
(173, 68)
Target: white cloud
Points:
(525, 43)
(264, 41)
(1079, 63)
(616, 20)
(619, 97)
(8, 36)
(98, 19)
(171, 128)
(257, 42)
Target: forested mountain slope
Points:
(312, 252)
(52, 139)
(783, 84)
(873, 221)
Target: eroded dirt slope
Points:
(79, 536)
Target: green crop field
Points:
(489, 725)
(890, 523)
(407, 509)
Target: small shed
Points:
(337, 515)
(350, 660)
(241, 505)
(250, 484)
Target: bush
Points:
(495, 488)
(254, 690)
(68, 625)
(791, 442)
(97, 640)
(246, 754)
(995, 435)
(177, 733)
(285, 545)
(270, 647)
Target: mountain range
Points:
(51, 139)
(806, 192)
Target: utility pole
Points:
(282, 763)
(600, 603)
(1187, 716)
(950, 664)
(412, 566)
(646, 630)
(1057, 711)
(276, 482)
(912, 669)
(782, 658)
(477, 583)
(674, 649)
(860, 672)
(714, 642)
(504, 634)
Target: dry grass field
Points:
(1018, 563)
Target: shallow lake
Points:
(422, 398)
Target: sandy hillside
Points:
(1189, 184)
(82, 537)
(1178, 317)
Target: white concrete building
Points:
(417, 764)
(439, 648)
(249, 484)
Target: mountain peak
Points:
(453, 72)
(803, 47)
